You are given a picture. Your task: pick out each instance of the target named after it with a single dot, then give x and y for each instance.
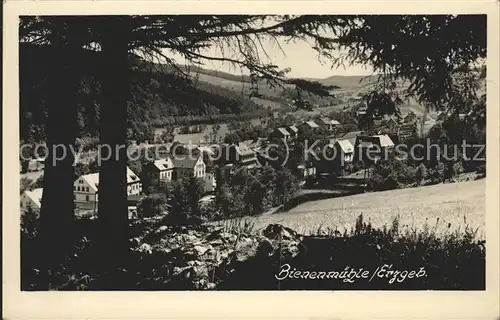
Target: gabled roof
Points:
(311, 124)
(346, 145)
(131, 176)
(185, 162)
(35, 196)
(92, 179)
(164, 164)
(293, 128)
(385, 140)
(283, 131)
(334, 122)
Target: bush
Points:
(152, 205)
(392, 174)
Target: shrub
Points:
(391, 174)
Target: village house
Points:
(186, 167)
(280, 133)
(239, 154)
(327, 124)
(86, 188)
(31, 199)
(160, 171)
(309, 126)
(370, 149)
(344, 151)
(351, 136)
(293, 130)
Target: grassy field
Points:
(439, 206)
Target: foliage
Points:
(236, 256)
(152, 205)
(183, 196)
(412, 47)
(391, 174)
(25, 184)
(38, 183)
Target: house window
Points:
(87, 189)
(80, 181)
(86, 198)
(78, 188)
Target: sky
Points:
(299, 57)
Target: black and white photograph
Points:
(269, 152)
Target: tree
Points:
(184, 197)
(434, 53)
(113, 214)
(410, 47)
(66, 37)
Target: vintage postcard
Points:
(277, 152)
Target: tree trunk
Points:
(112, 210)
(57, 207)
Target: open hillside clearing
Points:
(456, 205)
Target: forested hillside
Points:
(158, 96)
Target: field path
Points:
(457, 204)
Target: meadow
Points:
(442, 207)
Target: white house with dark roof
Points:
(372, 148)
(32, 199)
(345, 150)
(163, 170)
(86, 187)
